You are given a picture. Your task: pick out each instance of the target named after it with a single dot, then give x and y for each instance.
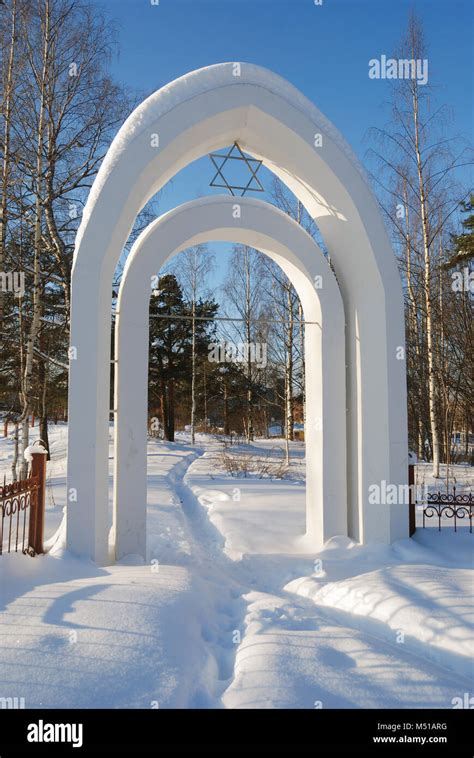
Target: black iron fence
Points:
(456, 508)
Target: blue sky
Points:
(322, 50)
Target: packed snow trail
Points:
(223, 625)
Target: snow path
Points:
(222, 626)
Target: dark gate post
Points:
(411, 501)
(38, 473)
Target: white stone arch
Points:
(261, 226)
(200, 112)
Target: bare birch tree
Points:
(419, 198)
(192, 269)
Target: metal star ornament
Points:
(236, 154)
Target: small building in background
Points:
(298, 432)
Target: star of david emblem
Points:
(235, 154)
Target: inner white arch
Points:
(198, 113)
(262, 226)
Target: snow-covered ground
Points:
(231, 608)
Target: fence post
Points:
(411, 501)
(38, 471)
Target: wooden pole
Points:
(411, 507)
(36, 527)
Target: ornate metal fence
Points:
(440, 505)
(17, 504)
(22, 510)
(449, 505)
